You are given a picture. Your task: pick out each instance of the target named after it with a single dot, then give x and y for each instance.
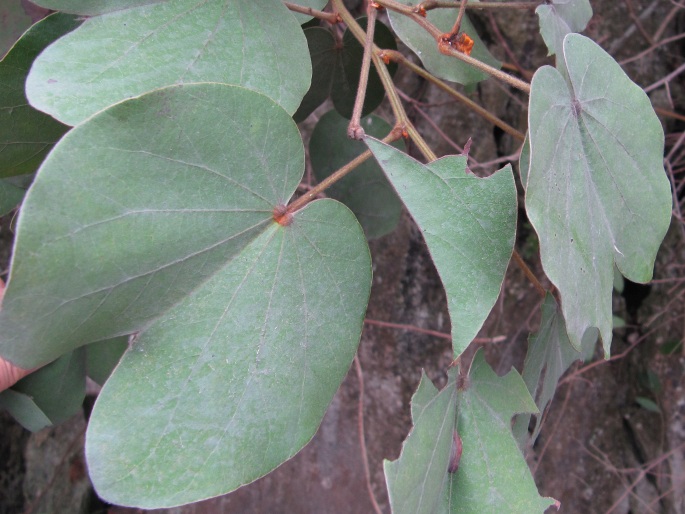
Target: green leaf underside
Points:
(236, 378)
(469, 225)
(103, 356)
(549, 350)
(159, 200)
(314, 4)
(10, 196)
(27, 135)
(493, 476)
(49, 395)
(418, 478)
(336, 69)
(562, 17)
(126, 53)
(366, 191)
(425, 47)
(597, 192)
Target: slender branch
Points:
(354, 129)
(330, 17)
(401, 59)
(433, 4)
(420, 143)
(460, 16)
(362, 437)
(531, 276)
(435, 333)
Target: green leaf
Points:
(549, 350)
(426, 48)
(648, 404)
(336, 69)
(27, 135)
(49, 395)
(524, 161)
(417, 479)
(127, 53)
(597, 191)
(159, 201)
(93, 7)
(236, 378)
(561, 17)
(366, 191)
(493, 476)
(469, 225)
(14, 20)
(103, 356)
(11, 195)
(314, 4)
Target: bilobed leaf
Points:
(561, 17)
(49, 395)
(27, 135)
(103, 356)
(236, 378)
(493, 476)
(469, 225)
(126, 53)
(137, 206)
(366, 191)
(314, 4)
(426, 48)
(549, 351)
(597, 191)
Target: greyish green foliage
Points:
(597, 191)
(561, 17)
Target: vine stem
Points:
(435, 333)
(529, 274)
(460, 16)
(354, 129)
(330, 17)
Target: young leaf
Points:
(126, 53)
(597, 191)
(549, 350)
(426, 48)
(136, 207)
(49, 395)
(236, 378)
(366, 191)
(27, 135)
(469, 225)
(417, 479)
(561, 17)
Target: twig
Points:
(529, 274)
(330, 17)
(433, 4)
(354, 129)
(460, 16)
(666, 79)
(435, 333)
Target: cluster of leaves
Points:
(157, 226)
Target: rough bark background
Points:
(599, 450)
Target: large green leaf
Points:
(417, 479)
(337, 66)
(549, 350)
(597, 192)
(561, 17)
(469, 225)
(366, 191)
(93, 7)
(493, 476)
(49, 395)
(423, 45)
(27, 135)
(118, 55)
(137, 206)
(236, 378)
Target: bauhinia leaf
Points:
(549, 351)
(426, 48)
(469, 225)
(493, 476)
(597, 191)
(163, 190)
(561, 17)
(126, 53)
(417, 479)
(366, 191)
(236, 378)
(27, 135)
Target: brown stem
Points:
(435, 333)
(354, 129)
(330, 17)
(433, 4)
(531, 276)
(460, 16)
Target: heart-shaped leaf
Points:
(549, 350)
(366, 191)
(561, 17)
(27, 135)
(469, 225)
(597, 191)
(236, 378)
(493, 476)
(159, 201)
(426, 48)
(129, 52)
